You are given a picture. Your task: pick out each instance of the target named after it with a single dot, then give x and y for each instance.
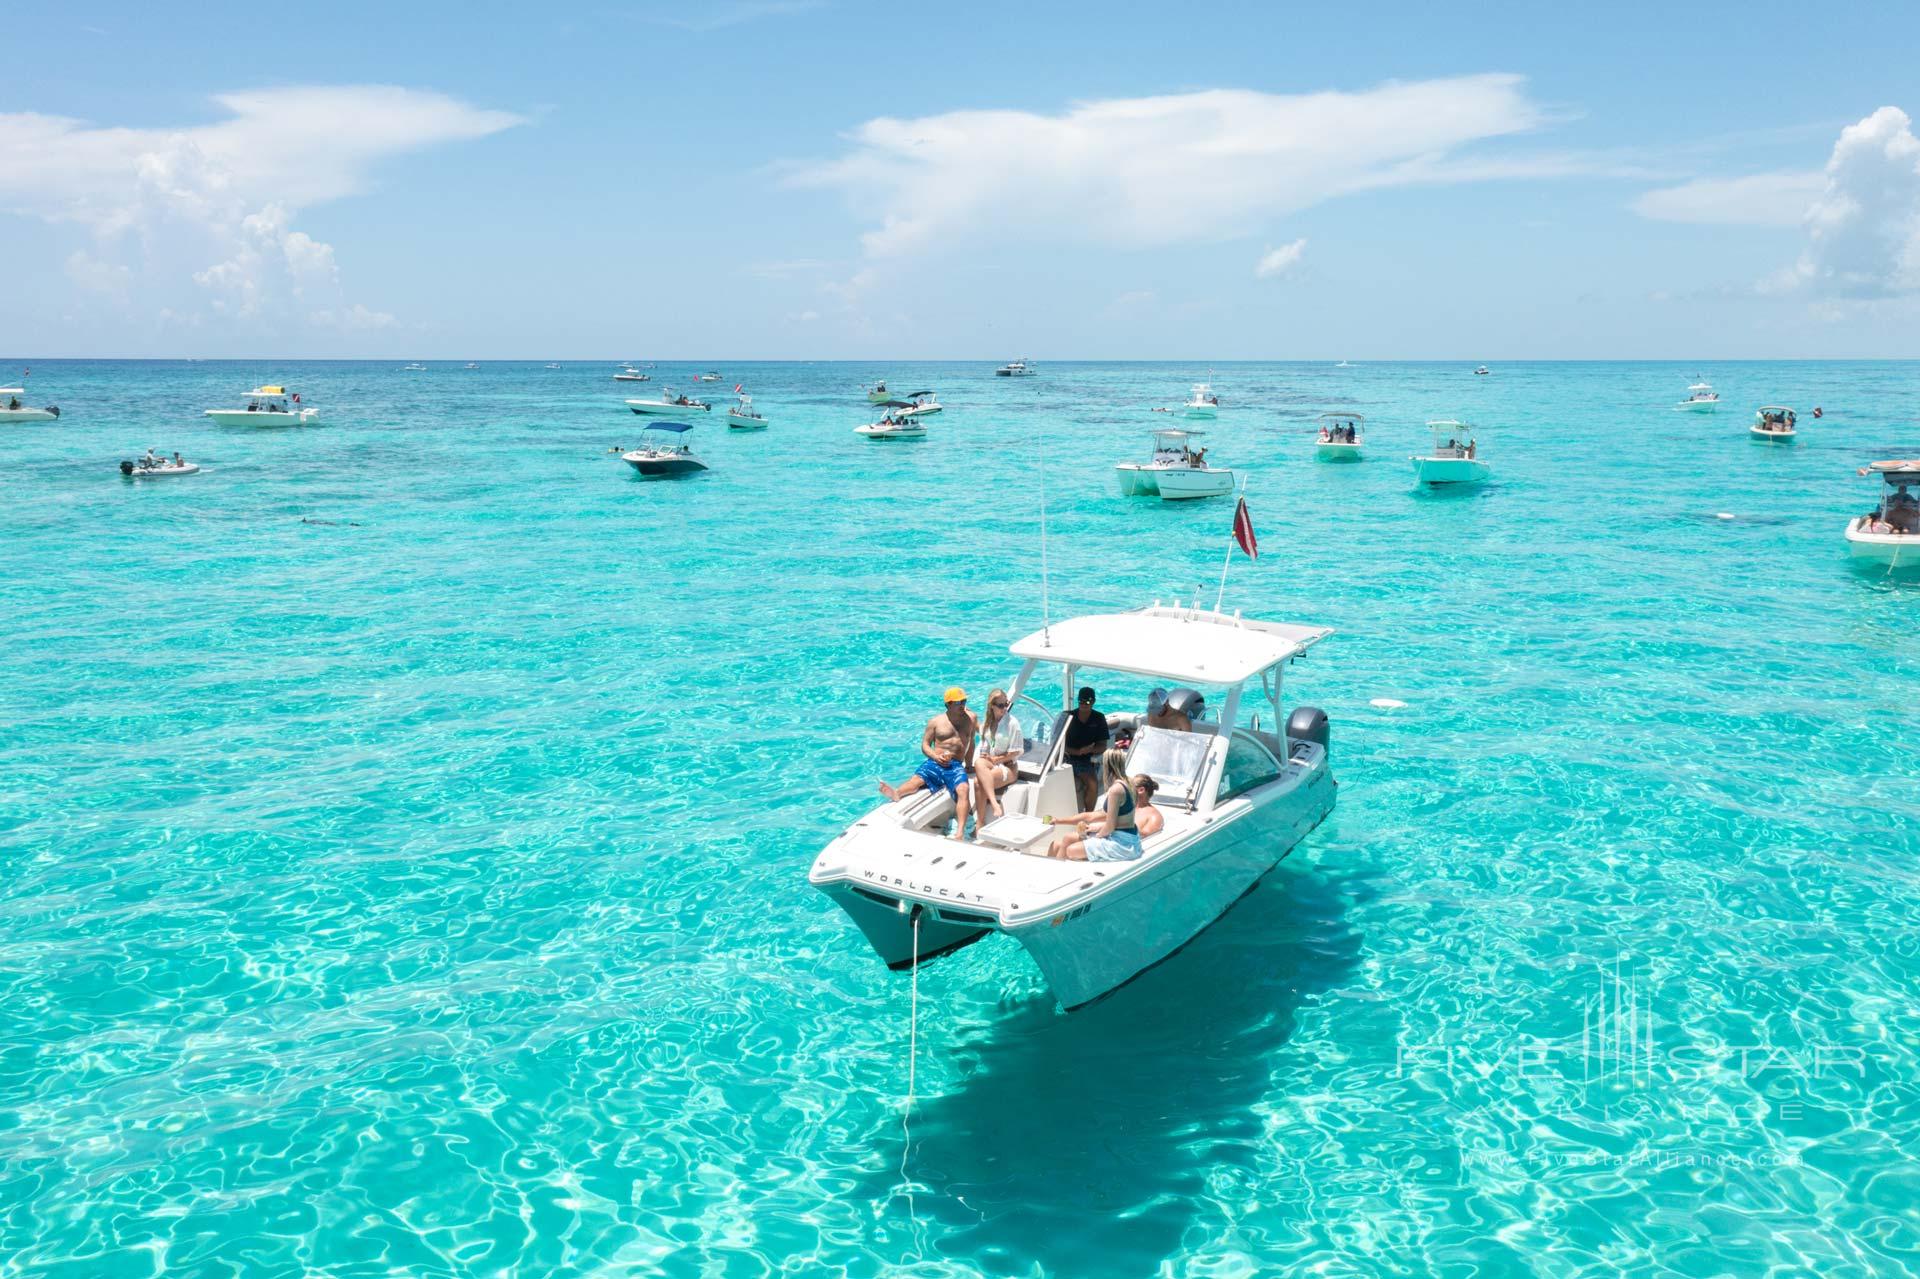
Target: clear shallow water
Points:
(405, 826)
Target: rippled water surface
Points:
(404, 827)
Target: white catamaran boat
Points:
(895, 425)
(266, 406)
(1203, 403)
(1772, 425)
(1016, 368)
(744, 417)
(667, 455)
(14, 409)
(669, 405)
(1455, 458)
(921, 404)
(1342, 437)
(1890, 533)
(1237, 797)
(1175, 471)
(1701, 398)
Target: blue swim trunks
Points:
(937, 776)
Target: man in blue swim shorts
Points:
(948, 747)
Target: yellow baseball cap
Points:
(955, 694)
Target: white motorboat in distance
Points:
(1203, 403)
(708, 376)
(1342, 437)
(157, 466)
(894, 426)
(1175, 471)
(667, 456)
(1237, 796)
(1482, 371)
(15, 409)
(744, 417)
(1890, 533)
(1701, 398)
(267, 406)
(669, 405)
(413, 368)
(1016, 368)
(1455, 458)
(921, 404)
(879, 394)
(472, 365)
(631, 374)
(1772, 424)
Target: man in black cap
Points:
(1086, 742)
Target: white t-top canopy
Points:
(1181, 645)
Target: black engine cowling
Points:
(1309, 724)
(126, 467)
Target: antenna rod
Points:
(1046, 612)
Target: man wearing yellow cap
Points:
(948, 747)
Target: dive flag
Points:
(736, 388)
(1243, 531)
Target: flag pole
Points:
(1228, 561)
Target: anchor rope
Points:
(913, 1048)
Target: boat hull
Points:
(163, 472)
(652, 408)
(664, 468)
(1770, 437)
(241, 417)
(29, 415)
(1187, 484)
(1329, 451)
(737, 423)
(892, 434)
(1437, 471)
(879, 397)
(1697, 406)
(1203, 412)
(1895, 550)
(1122, 934)
(1137, 480)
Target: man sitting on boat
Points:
(1162, 714)
(948, 747)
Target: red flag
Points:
(736, 388)
(1243, 531)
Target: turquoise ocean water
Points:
(404, 828)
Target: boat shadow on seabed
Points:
(1085, 1142)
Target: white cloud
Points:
(1279, 261)
(355, 318)
(1141, 172)
(1861, 214)
(226, 191)
(1762, 199)
(95, 276)
(1863, 232)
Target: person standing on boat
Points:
(996, 761)
(1117, 834)
(948, 747)
(1087, 736)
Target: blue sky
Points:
(786, 179)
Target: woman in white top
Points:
(996, 758)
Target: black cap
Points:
(1086, 695)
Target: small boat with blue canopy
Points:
(664, 452)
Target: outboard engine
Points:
(53, 409)
(126, 467)
(1309, 724)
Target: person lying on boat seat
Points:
(1161, 714)
(948, 747)
(1185, 708)
(1109, 832)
